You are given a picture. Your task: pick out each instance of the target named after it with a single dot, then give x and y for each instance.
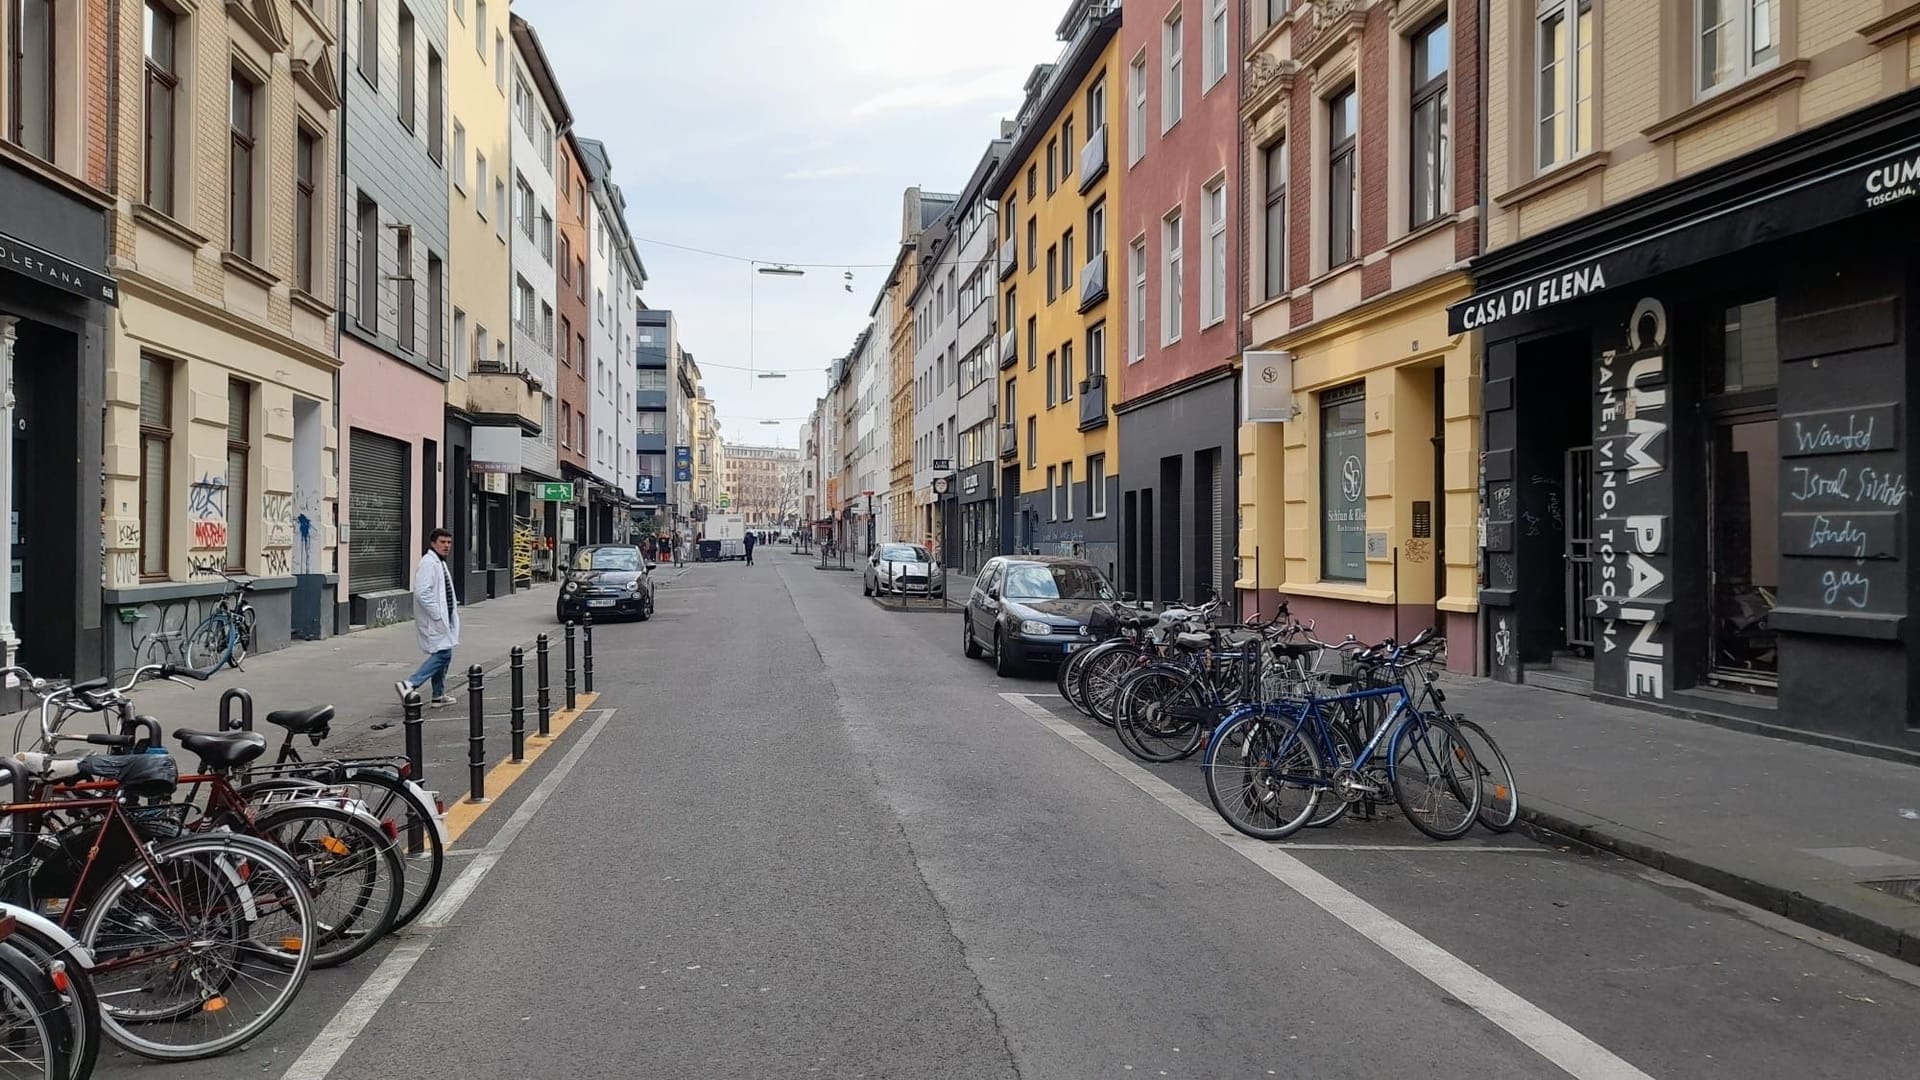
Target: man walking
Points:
(436, 620)
(749, 546)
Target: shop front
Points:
(1697, 440)
(979, 517)
(1176, 497)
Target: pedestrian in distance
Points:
(436, 620)
(749, 546)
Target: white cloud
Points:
(996, 84)
(829, 172)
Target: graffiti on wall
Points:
(383, 612)
(207, 511)
(157, 630)
(306, 534)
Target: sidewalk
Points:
(1792, 828)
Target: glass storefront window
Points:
(1743, 349)
(1746, 547)
(1343, 483)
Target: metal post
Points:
(546, 702)
(416, 764)
(586, 649)
(518, 667)
(227, 722)
(572, 702)
(476, 736)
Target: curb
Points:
(1822, 915)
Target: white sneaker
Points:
(442, 702)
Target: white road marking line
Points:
(333, 1041)
(1450, 848)
(1533, 1026)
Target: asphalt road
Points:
(811, 840)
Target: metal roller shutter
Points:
(377, 483)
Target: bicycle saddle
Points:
(308, 721)
(1191, 640)
(222, 749)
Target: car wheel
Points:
(968, 647)
(1002, 666)
(559, 614)
(646, 607)
(866, 586)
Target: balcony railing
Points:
(1093, 157)
(1009, 258)
(502, 398)
(1009, 441)
(1093, 402)
(1093, 281)
(1009, 348)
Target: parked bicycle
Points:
(224, 637)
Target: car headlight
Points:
(634, 585)
(570, 588)
(1034, 628)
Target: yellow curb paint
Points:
(461, 815)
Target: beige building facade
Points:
(1694, 318)
(220, 443)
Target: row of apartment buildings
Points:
(284, 285)
(1579, 329)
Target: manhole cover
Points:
(1906, 888)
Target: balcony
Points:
(650, 400)
(1093, 402)
(504, 399)
(1009, 349)
(1093, 158)
(1009, 258)
(1093, 281)
(650, 442)
(1009, 442)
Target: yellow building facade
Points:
(1059, 461)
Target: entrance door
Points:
(1579, 518)
(1743, 561)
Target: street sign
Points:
(725, 502)
(550, 492)
(941, 464)
(682, 464)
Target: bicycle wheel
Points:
(1345, 748)
(1064, 679)
(202, 953)
(211, 643)
(1499, 799)
(35, 1037)
(1165, 715)
(352, 868)
(243, 635)
(1102, 675)
(46, 945)
(1263, 774)
(1436, 779)
(403, 812)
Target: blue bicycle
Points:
(225, 635)
(1268, 766)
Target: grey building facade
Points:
(935, 305)
(976, 449)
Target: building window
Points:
(460, 157)
(480, 29)
(403, 288)
(239, 441)
(1213, 268)
(30, 84)
(480, 184)
(306, 208)
(1053, 368)
(1096, 229)
(500, 207)
(1213, 48)
(1343, 483)
(369, 57)
(436, 107)
(499, 61)
(1137, 109)
(407, 50)
(546, 325)
(1137, 324)
(523, 204)
(368, 225)
(1066, 371)
(1431, 53)
(1737, 39)
(1277, 10)
(546, 236)
(1343, 188)
(459, 337)
(1033, 451)
(1565, 104)
(1274, 227)
(436, 300)
(1053, 166)
(1033, 182)
(1033, 342)
(163, 86)
(1172, 302)
(1053, 493)
(1097, 486)
(1067, 266)
(1096, 351)
(523, 308)
(156, 475)
(1173, 47)
(1068, 149)
(1033, 242)
(241, 95)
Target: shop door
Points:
(1579, 518)
(378, 486)
(1743, 561)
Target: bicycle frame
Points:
(1402, 714)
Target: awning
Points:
(49, 269)
(1798, 206)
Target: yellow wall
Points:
(479, 268)
(1059, 437)
(900, 364)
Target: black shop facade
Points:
(1698, 434)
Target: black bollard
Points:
(518, 667)
(586, 651)
(476, 736)
(572, 703)
(546, 701)
(416, 764)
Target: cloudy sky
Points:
(784, 132)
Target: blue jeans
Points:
(434, 668)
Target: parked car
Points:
(904, 569)
(1032, 609)
(607, 579)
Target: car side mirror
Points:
(1127, 598)
(652, 566)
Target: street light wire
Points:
(768, 262)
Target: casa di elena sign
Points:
(1543, 292)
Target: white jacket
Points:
(436, 615)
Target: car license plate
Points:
(1072, 645)
(599, 603)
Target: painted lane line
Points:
(1452, 848)
(333, 1041)
(1533, 1026)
